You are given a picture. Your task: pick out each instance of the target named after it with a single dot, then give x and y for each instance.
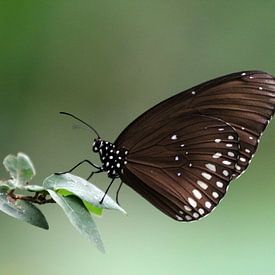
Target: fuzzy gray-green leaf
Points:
(22, 210)
(80, 217)
(20, 168)
(82, 189)
(8, 184)
(91, 208)
(33, 188)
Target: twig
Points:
(39, 197)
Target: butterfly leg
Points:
(107, 190)
(117, 192)
(94, 172)
(81, 162)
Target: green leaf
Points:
(82, 189)
(20, 168)
(64, 192)
(80, 217)
(7, 183)
(10, 163)
(21, 210)
(92, 209)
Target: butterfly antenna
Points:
(82, 127)
(75, 117)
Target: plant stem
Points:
(39, 197)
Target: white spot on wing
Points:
(201, 211)
(225, 172)
(206, 175)
(219, 184)
(238, 167)
(192, 202)
(188, 218)
(215, 195)
(211, 167)
(195, 215)
(174, 137)
(187, 208)
(217, 155)
(226, 162)
(217, 140)
(197, 194)
(202, 184)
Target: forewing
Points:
(185, 172)
(245, 100)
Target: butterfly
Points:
(181, 154)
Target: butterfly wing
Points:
(184, 151)
(245, 100)
(185, 172)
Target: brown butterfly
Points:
(182, 154)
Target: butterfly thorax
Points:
(113, 159)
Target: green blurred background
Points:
(108, 61)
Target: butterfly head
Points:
(97, 145)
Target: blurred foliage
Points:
(73, 190)
(108, 61)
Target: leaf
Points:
(20, 168)
(92, 209)
(80, 217)
(82, 189)
(64, 192)
(10, 163)
(21, 210)
(7, 183)
(34, 188)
